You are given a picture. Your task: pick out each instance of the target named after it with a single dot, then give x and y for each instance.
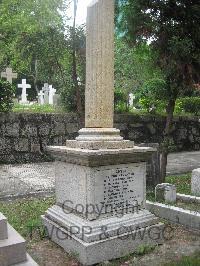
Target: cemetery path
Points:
(39, 178)
(183, 162)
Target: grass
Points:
(182, 182)
(25, 213)
(187, 261)
(37, 108)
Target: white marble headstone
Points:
(41, 97)
(46, 89)
(52, 92)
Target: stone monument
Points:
(52, 92)
(131, 99)
(24, 87)
(195, 182)
(9, 75)
(100, 210)
(41, 97)
(45, 89)
(12, 246)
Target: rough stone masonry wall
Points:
(23, 137)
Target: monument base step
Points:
(28, 262)
(124, 241)
(12, 249)
(3, 227)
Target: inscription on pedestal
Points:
(119, 185)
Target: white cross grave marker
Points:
(9, 75)
(45, 89)
(24, 86)
(131, 99)
(52, 92)
(41, 97)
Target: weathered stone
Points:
(99, 94)
(9, 75)
(12, 246)
(187, 218)
(22, 145)
(196, 182)
(165, 192)
(12, 129)
(29, 130)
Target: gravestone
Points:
(131, 99)
(9, 75)
(46, 89)
(195, 182)
(100, 177)
(165, 192)
(57, 100)
(12, 246)
(41, 97)
(24, 95)
(52, 92)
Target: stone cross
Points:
(99, 94)
(9, 75)
(52, 92)
(45, 89)
(24, 86)
(41, 97)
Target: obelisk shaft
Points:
(99, 94)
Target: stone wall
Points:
(23, 137)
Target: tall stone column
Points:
(99, 93)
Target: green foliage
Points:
(153, 95)
(188, 105)
(37, 44)
(172, 29)
(144, 249)
(120, 101)
(6, 96)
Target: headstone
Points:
(57, 100)
(131, 99)
(52, 92)
(9, 75)
(41, 97)
(12, 246)
(100, 178)
(46, 89)
(24, 95)
(195, 182)
(165, 192)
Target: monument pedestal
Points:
(12, 246)
(100, 203)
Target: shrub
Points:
(6, 96)
(121, 102)
(188, 105)
(153, 95)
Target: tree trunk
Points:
(36, 76)
(74, 67)
(166, 141)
